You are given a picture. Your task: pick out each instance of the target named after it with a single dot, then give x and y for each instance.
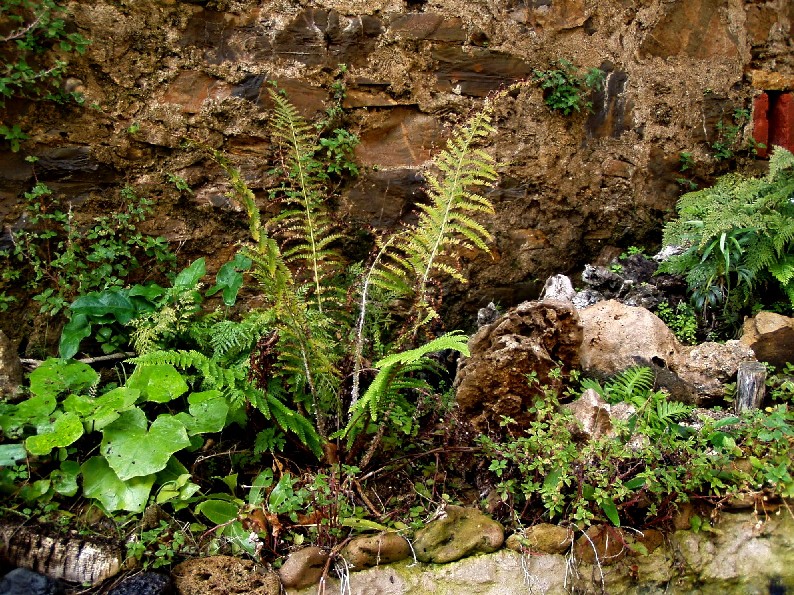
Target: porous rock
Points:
(534, 337)
(367, 551)
(592, 414)
(771, 337)
(542, 538)
(457, 533)
(224, 574)
(303, 567)
(705, 369)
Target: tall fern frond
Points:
(305, 224)
(447, 222)
(629, 384)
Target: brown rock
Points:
(771, 337)
(399, 137)
(768, 80)
(303, 568)
(373, 550)
(190, 89)
(545, 538)
(534, 337)
(10, 369)
(459, 532)
(696, 29)
(224, 574)
(706, 368)
(616, 337)
(592, 414)
(600, 543)
(427, 25)
(650, 539)
(476, 71)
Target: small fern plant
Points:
(653, 412)
(739, 238)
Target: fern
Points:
(394, 377)
(448, 221)
(304, 222)
(632, 384)
(739, 236)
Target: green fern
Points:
(738, 235)
(304, 222)
(394, 377)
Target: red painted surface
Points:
(781, 122)
(761, 122)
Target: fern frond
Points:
(629, 384)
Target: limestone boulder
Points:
(533, 338)
(771, 337)
(617, 336)
(542, 538)
(457, 533)
(367, 551)
(592, 413)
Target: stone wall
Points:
(161, 71)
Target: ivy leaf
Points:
(56, 376)
(218, 511)
(111, 302)
(66, 429)
(77, 329)
(159, 383)
(101, 483)
(132, 450)
(189, 278)
(208, 412)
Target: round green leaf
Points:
(66, 430)
(218, 511)
(159, 383)
(101, 483)
(132, 450)
(57, 376)
(208, 412)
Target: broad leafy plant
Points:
(129, 428)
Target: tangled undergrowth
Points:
(327, 411)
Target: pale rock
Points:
(373, 550)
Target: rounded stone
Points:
(367, 551)
(458, 533)
(303, 567)
(545, 538)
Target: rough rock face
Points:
(617, 336)
(10, 368)
(457, 533)
(705, 369)
(771, 337)
(161, 71)
(535, 337)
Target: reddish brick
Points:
(781, 122)
(761, 122)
